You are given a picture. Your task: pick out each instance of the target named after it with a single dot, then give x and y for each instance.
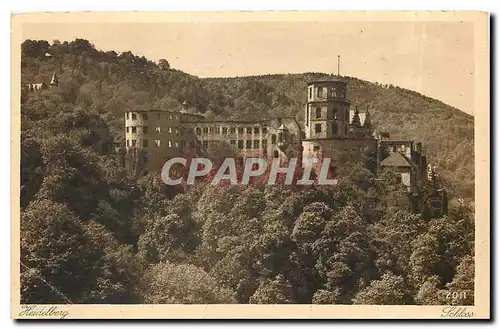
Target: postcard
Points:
(250, 165)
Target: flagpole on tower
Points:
(338, 65)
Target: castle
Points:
(331, 129)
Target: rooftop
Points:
(336, 79)
(395, 159)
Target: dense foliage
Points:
(90, 233)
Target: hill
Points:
(111, 83)
(90, 233)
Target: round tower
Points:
(327, 109)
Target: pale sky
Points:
(433, 58)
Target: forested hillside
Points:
(99, 236)
(111, 84)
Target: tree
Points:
(165, 238)
(166, 283)
(277, 291)
(461, 288)
(55, 248)
(163, 64)
(327, 297)
(389, 290)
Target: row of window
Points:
(325, 92)
(200, 130)
(229, 130)
(319, 115)
(318, 128)
(171, 130)
(241, 144)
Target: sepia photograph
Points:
(250, 165)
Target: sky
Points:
(433, 58)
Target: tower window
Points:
(335, 129)
(134, 130)
(273, 139)
(317, 128)
(310, 92)
(318, 113)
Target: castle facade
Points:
(331, 129)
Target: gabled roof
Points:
(361, 115)
(395, 159)
(283, 127)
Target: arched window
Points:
(273, 139)
(318, 113)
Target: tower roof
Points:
(363, 117)
(333, 79)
